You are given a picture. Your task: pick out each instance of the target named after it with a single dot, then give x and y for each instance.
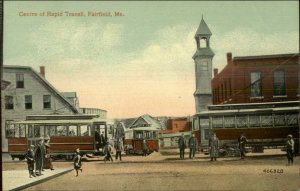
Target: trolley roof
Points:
(62, 119)
(246, 111)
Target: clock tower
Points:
(203, 67)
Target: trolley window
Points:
(154, 135)
(72, 131)
(138, 135)
(196, 123)
(36, 131)
(241, 121)
(84, 130)
(22, 130)
(61, 130)
(266, 121)
(229, 121)
(292, 119)
(50, 130)
(206, 134)
(279, 119)
(9, 128)
(254, 120)
(217, 122)
(204, 122)
(30, 131)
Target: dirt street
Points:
(148, 173)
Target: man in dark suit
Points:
(181, 145)
(40, 153)
(193, 144)
(102, 140)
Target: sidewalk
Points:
(19, 179)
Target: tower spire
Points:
(203, 61)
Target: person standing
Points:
(97, 140)
(107, 152)
(47, 161)
(193, 144)
(290, 149)
(30, 160)
(214, 147)
(102, 140)
(181, 145)
(40, 156)
(77, 161)
(242, 145)
(145, 147)
(119, 148)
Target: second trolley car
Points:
(134, 139)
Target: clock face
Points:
(203, 64)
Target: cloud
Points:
(247, 42)
(70, 39)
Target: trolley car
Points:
(66, 132)
(134, 139)
(266, 125)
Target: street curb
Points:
(40, 181)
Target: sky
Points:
(141, 62)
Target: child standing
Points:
(30, 160)
(77, 161)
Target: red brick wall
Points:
(179, 125)
(235, 80)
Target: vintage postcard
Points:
(150, 95)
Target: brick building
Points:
(179, 124)
(264, 78)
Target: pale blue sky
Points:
(141, 62)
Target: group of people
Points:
(107, 151)
(214, 147)
(192, 143)
(38, 157)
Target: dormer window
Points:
(19, 80)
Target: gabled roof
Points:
(4, 84)
(203, 29)
(126, 123)
(146, 120)
(69, 94)
(43, 81)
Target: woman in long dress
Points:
(47, 162)
(214, 147)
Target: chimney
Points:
(215, 71)
(229, 57)
(42, 71)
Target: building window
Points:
(20, 80)
(256, 84)
(47, 101)
(28, 102)
(9, 102)
(279, 83)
